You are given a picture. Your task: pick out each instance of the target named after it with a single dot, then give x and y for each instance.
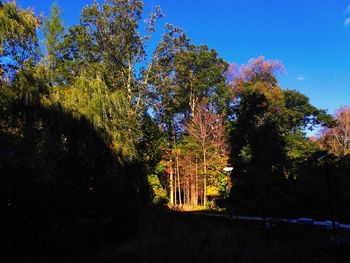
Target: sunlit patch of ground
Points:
(190, 208)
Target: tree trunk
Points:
(184, 190)
(175, 193)
(192, 187)
(171, 185)
(129, 80)
(204, 179)
(188, 192)
(178, 179)
(196, 186)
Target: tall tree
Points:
(53, 30)
(161, 78)
(268, 129)
(96, 68)
(206, 128)
(200, 76)
(18, 40)
(107, 40)
(337, 139)
(19, 50)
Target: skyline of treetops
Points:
(100, 135)
(100, 69)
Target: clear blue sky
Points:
(310, 37)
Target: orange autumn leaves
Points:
(337, 139)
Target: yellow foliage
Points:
(212, 191)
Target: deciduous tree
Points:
(337, 139)
(207, 129)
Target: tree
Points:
(200, 76)
(206, 128)
(190, 156)
(19, 51)
(337, 139)
(53, 31)
(107, 40)
(111, 113)
(181, 76)
(71, 138)
(18, 38)
(95, 68)
(161, 79)
(268, 136)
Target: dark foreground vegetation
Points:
(188, 237)
(94, 134)
(161, 235)
(61, 190)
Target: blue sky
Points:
(311, 38)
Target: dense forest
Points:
(96, 129)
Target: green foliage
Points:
(270, 123)
(257, 139)
(268, 137)
(299, 147)
(159, 193)
(299, 113)
(71, 139)
(162, 81)
(16, 24)
(110, 112)
(83, 121)
(53, 31)
(18, 39)
(199, 76)
(59, 174)
(152, 143)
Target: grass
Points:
(163, 235)
(184, 237)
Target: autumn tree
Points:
(207, 129)
(268, 130)
(180, 77)
(337, 139)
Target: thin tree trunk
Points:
(184, 190)
(129, 79)
(178, 179)
(192, 99)
(188, 192)
(171, 185)
(204, 179)
(192, 193)
(174, 147)
(175, 193)
(196, 185)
